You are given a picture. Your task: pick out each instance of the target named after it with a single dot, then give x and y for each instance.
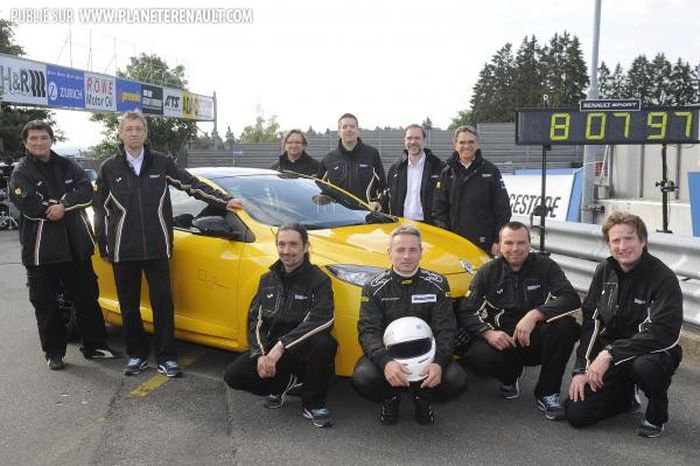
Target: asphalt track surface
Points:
(90, 414)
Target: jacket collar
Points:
(278, 269)
(344, 151)
(455, 163)
(147, 156)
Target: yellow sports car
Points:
(219, 257)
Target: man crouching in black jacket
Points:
(632, 318)
(406, 290)
(290, 324)
(515, 314)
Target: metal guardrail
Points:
(579, 247)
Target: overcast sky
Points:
(308, 61)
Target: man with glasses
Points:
(471, 198)
(412, 178)
(133, 219)
(294, 158)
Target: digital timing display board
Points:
(571, 126)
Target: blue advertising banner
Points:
(128, 95)
(65, 88)
(694, 191)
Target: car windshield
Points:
(276, 199)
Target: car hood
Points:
(443, 251)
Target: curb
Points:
(690, 342)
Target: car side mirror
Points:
(215, 226)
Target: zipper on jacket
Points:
(143, 225)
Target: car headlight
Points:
(356, 274)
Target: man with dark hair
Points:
(289, 329)
(294, 158)
(471, 198)
(517, 313)
(52, 193)
(632, 318)
(406, 290)
(354, 166)
(412, 178)
(133, 219)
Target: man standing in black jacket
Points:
(354, 166)
(52, 193)
(632, 319)
(471, 198)
(294, 158)
(406, 290)
(133, 219)
(412, 178)
(517, 313)
(289, 331)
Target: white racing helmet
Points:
(410, 342)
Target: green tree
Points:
(604, 81)
(427, 124)
(262, 131)
(660, 73)
(565, 77)
(683, 91)
(528, 74)
(464, 117)
(230, 138)
(493, 97)
(618, 83)
(168, 135)
(639, 83)
(13, 118)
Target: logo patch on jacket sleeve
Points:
(300, 296)
(19, 192)
(423, 298)
(364, 299)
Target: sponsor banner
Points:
(100, 92)
(151, 99)
(128, 95)
(172, 102)
(525, 192)
(22, 81)
(204, 108)
(66, 87)
(188, 105)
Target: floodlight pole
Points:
(587, 206)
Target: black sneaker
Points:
(55, 363)
(551, 405)
(389, 414)
(134, 366)
(100, 353)
(274, 401)
(170, 369)
(510, 391)
(320, 417)
(425, 414)
(649, 430)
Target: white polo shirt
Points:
(412, 207)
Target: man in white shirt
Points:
(412, 178)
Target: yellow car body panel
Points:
(214, 280)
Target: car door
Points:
(204, 271)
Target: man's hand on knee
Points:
(395, 374)
(498, 339)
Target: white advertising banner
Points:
(204, 108)
(100, 92)
(172, 102)
(525, 192)
(22, 81)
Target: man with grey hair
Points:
(412, 178)
(406, 290)
(471, 198)
(134, 226)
